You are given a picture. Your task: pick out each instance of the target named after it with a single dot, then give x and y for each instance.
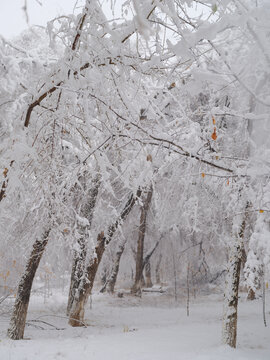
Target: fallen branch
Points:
(43, 322)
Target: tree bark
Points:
(76, 316)
(79, 256)
(110, 284)
(147, 266)
(251, 294)
(148, 280)
(18, 318)
(136, 288)
(232, 287)
(250, 291)
(158, 280)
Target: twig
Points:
(44, 322)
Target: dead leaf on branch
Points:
(214, 135)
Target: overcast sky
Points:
(13, 18)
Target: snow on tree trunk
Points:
(77, 270)
(76, 315)
(136, 288)
(229, 334)
(115, 269)
(79, 256)
(18, 318)
(251, 293)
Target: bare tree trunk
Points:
(232, 286)
(251, 294)
(79, 256)
(76, 316)
(148, 280)
(18, 318)
(158, 280)
(110, 284)
(147, 265)
(136, 288)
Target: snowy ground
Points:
(151, 328)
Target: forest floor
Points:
(128, 328)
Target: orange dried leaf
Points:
(261, 211)
(214, 135)
(228, 182)
(214, 120)
(203, 175)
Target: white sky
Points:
(13, 19)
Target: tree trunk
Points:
(79, 256)
(76, 316)
(136, 288)
(78, 268)
(146, 264)
(110, 285)
(232, 286)
(251, 294)
(148, 281)
(18, 318)
(158, 280)
(250, 291)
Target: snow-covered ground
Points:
(150, 328)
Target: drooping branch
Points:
(176, 147)
(55, 87)
(83, 67)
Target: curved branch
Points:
(83, 67)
